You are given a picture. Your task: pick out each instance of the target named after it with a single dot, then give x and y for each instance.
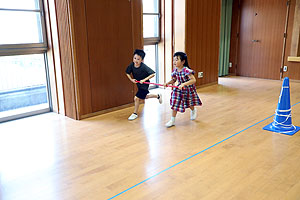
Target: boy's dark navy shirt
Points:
(140, 73)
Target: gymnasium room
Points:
(220, 121)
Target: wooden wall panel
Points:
(202, 38)
(293, 67)
(137, 24)
(96, 42)
(66, 57)
(273, 21)
(81, 56)
(233, 36)
(261, 38)
(110, 46)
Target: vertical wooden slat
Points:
(137, 22)
(202, 38)
(233, 38)
(80, 48)
(110, 44)
(67, 64)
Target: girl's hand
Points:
(180, 87)
(133, 80)
(142, 81)
(165, 85)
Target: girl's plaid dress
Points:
(182, 99)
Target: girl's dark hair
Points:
(140, 52)
(183, 57)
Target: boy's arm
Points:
(147, 78)
(131, 79)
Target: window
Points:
(23, 30)
(151, 33)
(151, 21)
(150, 59)
(23, 66)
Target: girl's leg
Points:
(193, 112)
(174, 113)
(172, 121)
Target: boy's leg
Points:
(134, 115)
(158, 96)
(136, 104)
(151, 96)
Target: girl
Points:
(186, 95)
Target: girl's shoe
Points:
(170, 123)
(193, 114)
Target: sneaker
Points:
(133, 116)
(193, 114)
(160, 98)
(170, 123)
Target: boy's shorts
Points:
(142, 93)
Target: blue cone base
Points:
(270, 127)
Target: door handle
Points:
(255, 40)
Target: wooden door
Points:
(261, 38)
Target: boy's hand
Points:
(142, 81)
(133, 80)
(165, 85)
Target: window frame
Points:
(28, 48)
(154, 40)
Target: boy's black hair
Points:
(183, 57)
(140, 52)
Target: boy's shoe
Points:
(133, 116)
(193, 114)
(170, 123)
(160, 98)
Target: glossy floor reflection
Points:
(53, 157)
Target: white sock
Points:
(173, 119)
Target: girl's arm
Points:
(171, 82)
(190, 82)
(131, 79)
(147, 78)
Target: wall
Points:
(179, 25)
(293, 67)
(96, 41)
(167, 40)
(66, 58)
(202, 38)
(234, 36)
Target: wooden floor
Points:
(51, 157)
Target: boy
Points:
(142, 73)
